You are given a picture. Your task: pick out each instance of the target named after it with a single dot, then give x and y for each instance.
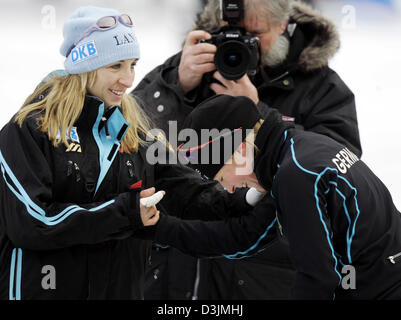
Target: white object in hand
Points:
(152, 200)
(253, 196)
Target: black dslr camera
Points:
(237, 50)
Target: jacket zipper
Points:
(130, 168)
(280, 77)
(77, 173)
(73, 166)
(70, 164)
(393, 259)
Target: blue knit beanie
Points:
(101, 47)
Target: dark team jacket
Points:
(70, 226)
(331, 207)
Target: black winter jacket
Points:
(332, 208)
(75, 210)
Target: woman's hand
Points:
(149, 215)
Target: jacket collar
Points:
(322, 40)
(91, 109)
(269, 142)
(107, 126)
(89, 112)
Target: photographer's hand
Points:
(240, 87)
(196, 60)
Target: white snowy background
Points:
(369, 60)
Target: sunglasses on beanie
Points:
(103, 24)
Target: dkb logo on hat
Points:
(84, 52)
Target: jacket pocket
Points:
(79, 185)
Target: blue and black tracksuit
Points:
(74, 211)
(331, 207)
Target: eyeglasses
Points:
(103, 24)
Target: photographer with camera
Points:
(295, 44)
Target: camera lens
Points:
(232, 59)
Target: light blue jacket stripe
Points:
(339, 259)
(77, 208)
(317, 204)
(241, 257)
(12, 275)
(19, 272)
(18, 185)
(296, 161)
(104, 144)
(101, 206)
(356, 206)
(23, 196)
(233, 256)
(272, 195)
(349, 226)
(104, 149)
(19, 196)
(26, 200)
(95, 133)
(323, 223)
(328, 189)
(349, 237)
(36, 211)
(31, 211)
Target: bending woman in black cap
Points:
(340, 221)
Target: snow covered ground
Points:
(369, 60)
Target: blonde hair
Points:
(62, 105)
(250, 138)
(257, 126)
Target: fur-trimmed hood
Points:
(323, 38)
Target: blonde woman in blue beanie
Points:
(76, 218)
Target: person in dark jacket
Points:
(75, 184)
(342, 226)
(294, 79)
